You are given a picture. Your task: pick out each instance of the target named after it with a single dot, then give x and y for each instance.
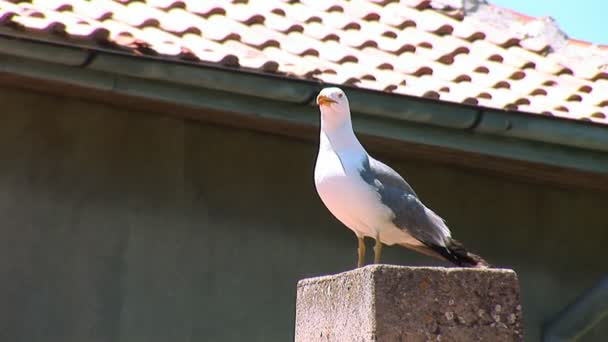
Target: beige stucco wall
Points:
(125, 226)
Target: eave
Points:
(560, 151)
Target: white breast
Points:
(347, 196)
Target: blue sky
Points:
(580, 19)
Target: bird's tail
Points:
(455, 253)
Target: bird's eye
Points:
(340, 95)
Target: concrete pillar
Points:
(394, 303)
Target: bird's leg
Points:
(361, 250)
(377, 250)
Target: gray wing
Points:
(386, 175)
(410, 213)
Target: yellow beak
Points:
(323, 100)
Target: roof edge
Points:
(564, 143)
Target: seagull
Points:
(372, 199)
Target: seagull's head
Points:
(333, 105)
(332, 99)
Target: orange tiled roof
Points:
(475, 53)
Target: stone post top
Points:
(399, 303)
(395, 270)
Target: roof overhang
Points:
(533, 146)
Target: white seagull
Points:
(372, 199)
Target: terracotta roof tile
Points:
(166, 4)
(468, 32)
(281, 24)
(487, 56)
(205, 8)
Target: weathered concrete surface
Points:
(395, 303)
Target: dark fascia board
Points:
(293, 91)
(533, 127)
(533, 138)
